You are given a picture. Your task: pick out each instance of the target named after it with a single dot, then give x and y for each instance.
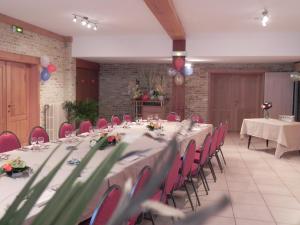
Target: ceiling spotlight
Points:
(83, 22)
(75, 19)
(89, 25)
(95, 27)
(265, 18)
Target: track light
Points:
(265, 18)
(85, 21)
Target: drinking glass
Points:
(33, 141)
(68, 133)
(177, 118)
(41, 141)
(91, 131)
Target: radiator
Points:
(54, 117)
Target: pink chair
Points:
(141, 181)
(185, 172)
(127, 118)
(201, 159)
(197, 119)
(115, 120)
(106, 206)
(170, 182)
(38, 132)
(172, 116)
(85, 126)
(8, 141)
(213, 152)
(102, 123)
(221, 138)
(64, 128)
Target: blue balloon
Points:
(45, 75)
(188, 70)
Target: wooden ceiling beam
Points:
(165, 13)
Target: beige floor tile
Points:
(249, 186)
(254, 212)
(246, 198)
(288, 216)
(218, 220)
(281, 201)
(226, 212)
(252, 222)
(273, 189)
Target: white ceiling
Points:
(217, 30)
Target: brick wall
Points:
(61, 85)
(114, 79)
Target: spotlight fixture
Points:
(85, 21)
(265, 18)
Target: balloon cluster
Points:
(48, 68)
(180, 69)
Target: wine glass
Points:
(68, 134)
(91, 131)
(33, 142)
(40, 141)
(177, 118)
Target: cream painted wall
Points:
(279, 90)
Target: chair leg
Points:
(203, 182)
(151, 218)
(195, 190)
(188, 194)
(212, 170)
(219, 162)
(173, 199)
(205, 179)
(223, 156)
(249, 141)
(267, 143)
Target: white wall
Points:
(279, 90)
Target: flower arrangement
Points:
(15, 168)
(265, 107)
(153, 126)
(109, 139)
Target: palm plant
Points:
(71, 199)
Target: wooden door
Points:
(17, 85)
(234, 97)
(87, 84)
(2, 97)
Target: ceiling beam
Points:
(165, 13)
(30, 27)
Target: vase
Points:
(266, 114)
(161, 98)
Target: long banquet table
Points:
(121, 171)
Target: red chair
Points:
(64, 128)
(85, 126)
(185, 172)
(219, 140)
(115, 120)
(102, 123)
(201, 158)
(38, 132)
(213, 151)
(127, 118)
(197, 119)
(8, 141)
(106, 206)
(141, 181)
(172, 117)
(170, 182)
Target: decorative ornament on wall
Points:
(179, 79)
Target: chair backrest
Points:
(102, 123)
(220, 134)
(115, 120)
(188, 158)
(205, 150)
(172, 176)
(172, 116)
(38, 132)
(85, 126)
(140, 182)
(107, 205)
(213, 146)
(65, 127)
(197, 119)
(127, 118)
(8, 141)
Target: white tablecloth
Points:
(285, 134)
(10, 187)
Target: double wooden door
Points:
(234, 97)
(14, 98)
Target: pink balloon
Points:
(51, 68)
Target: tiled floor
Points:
(263, 190)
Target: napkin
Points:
(45, 197)
(84, 134)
